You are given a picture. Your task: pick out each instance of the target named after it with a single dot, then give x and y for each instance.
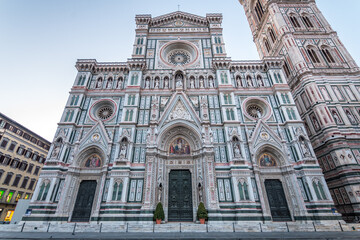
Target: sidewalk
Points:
(188, 236)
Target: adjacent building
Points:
(181, 123)
(325, 83)
(22, 155)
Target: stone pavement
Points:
(188, 236)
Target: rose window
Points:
(105, 112)
(179, 57)
(255, 111)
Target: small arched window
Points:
(294, 21)
(117, 191)
(109, 83)
(313, 55)
(259, 10)
(307, 21)
(272, 35)
(243, 190)
(327, 54)
(267, 45)
(44, 189)
(319, 190)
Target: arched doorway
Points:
(180, 196)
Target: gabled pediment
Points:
(179, 19)
(262, 135)
(96, 136)
(179, 108)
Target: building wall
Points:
(22, 155)
(325, 82)
(238, 119)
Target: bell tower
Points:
(325, 83)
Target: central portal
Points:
(180, 197)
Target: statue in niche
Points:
(201, 83)
(166, 83)
(57, 147)
(160, 188)
(211, 82)
(120, 83)
(238, 82)
(200, 190)
(147, 83)
(123, 151)
(93, 161)
(237, 152)
(304, 147)
(156, 86)
(179, 80)
(260, 81)
(192, 83)
(249, 81)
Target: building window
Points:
(230, 115)
(243, 190)
(117, 191)
(4, 143)
(259, 10)
(267, 45)
(307, 22)
(32, 183)
(9, 197)
(44, 189)
(319, 190)
(16, 181)
(8, 178)
(286, 69)
(18, 196)
(36, 172)
(24, 183)
(12, 146)
(2, 194)
(129, 115)
(313, 55)
(131, 100)
(294, 22)
(272, 35)
(227, 99)
(327, 54)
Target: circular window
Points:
(179, 57)
(256, 108)
(103, 110)
(255, 111)
(179, 52)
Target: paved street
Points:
(139, 236)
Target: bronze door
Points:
(277, 200)
(180, 198)
(84, 201)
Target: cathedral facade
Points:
(182, 123)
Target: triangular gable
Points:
(262, 135)
(173, 20)
(98, 136)
(179, 107)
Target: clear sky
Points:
(40, 41)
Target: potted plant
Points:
(159, 213)
(202, 213)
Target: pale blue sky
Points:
(40, 41)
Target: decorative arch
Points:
(183, 130)
(93, 156)
(268, 155)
